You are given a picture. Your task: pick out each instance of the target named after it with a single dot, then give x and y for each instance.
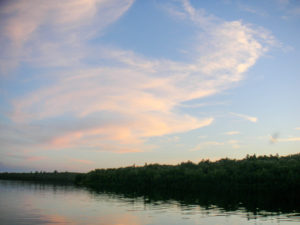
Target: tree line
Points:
(251, 174)
(42, 176)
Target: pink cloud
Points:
(130, 98)
(127, 137)
(69, 24)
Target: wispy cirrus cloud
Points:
(275, 138)
(290, 139)
(208, 144)
(128, 96)
(246, 117)
(249, 9)
(24, 157)
(235, 144)
(232, 133)
(53, 33)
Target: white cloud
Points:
(214, 144)
(232, 133)
(202, 137)
(199, 105)
(207, 144)
(249, 9)
(246, 117)
(234, 144)
(130, 96)
(290, 139)
(275, 138)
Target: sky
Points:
(88, 84)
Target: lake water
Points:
(32, 203)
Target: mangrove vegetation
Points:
(42, 176)
(270, 174)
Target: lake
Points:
(38, 203)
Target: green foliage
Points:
(252, 174)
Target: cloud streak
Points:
(207, 144)
(246, 117)
(53, 33)
(291, 139)
(235, 144)
(232, 133)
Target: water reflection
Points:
(36, 203)
(256, 203)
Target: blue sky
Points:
(95, 84)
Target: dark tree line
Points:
(57, 177)
(251, 174)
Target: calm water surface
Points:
(31, 203)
